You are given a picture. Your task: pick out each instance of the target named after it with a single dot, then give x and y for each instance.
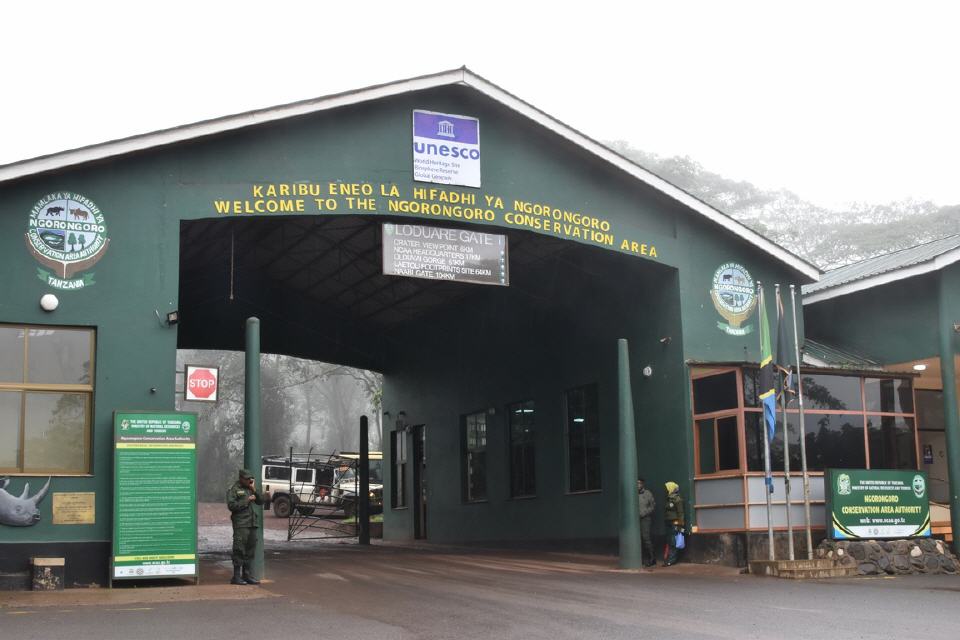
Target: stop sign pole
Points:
(201, 383)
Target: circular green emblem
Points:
(734, 297)
(66, 233)
(843, 484)
(919, 485)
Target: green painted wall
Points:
(893, 323)
(145, 196)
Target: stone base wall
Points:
(894, 557)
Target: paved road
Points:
(341, 591)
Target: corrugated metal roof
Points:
(824, 355)
(886, 263)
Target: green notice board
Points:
(865, 504)
(154, 495)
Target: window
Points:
(398, 470)
(304, 476)
(892, 445)
(46, 399)
(522, 453)
(475, 457)
(717, 436)
(583, 438)
(277, 473)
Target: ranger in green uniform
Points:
(646, 505)
(241, 496)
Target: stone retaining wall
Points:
(900, 557)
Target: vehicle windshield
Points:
(376, 473)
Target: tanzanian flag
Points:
(785, 380)
(768, 391)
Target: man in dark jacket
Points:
(241, 496)
(646, 504)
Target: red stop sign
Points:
(202, 384)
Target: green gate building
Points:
(500, 398)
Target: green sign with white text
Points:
(154, 495)
(872, 504)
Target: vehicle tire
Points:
(306, 511)
(281, 506)
(349, 509)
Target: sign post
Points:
(454, 255)
(154, 496)
(201, 383)
(875, 504)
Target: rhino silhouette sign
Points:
(20, 511)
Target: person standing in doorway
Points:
(673, 520)
(647, 503)
(241, 496)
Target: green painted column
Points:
(629, 510)
(251, 424)
(948, 376)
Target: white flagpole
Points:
(786, 435)
(803, 437)
(767, 475)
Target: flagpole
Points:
(767, 475)
(786, 432)
(803, 437)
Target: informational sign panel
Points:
(201, 383)
(874, 504)
(446, 148)
(154, 495)
(433, 253)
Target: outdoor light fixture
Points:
(665, 340)
(173, 317)
(647, 371)
(49, 302)
(919, 367)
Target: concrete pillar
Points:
(629, 510)
(251, 424)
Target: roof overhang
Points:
(939, 262)
(462, 76)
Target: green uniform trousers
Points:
(244, 546)
(646, 541)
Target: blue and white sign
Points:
(446, 148)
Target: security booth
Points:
(482, 255)
(901, 312)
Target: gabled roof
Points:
(463, 77)
(890, 267)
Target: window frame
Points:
(398, 469)
(466, 452)
(24, 388)
(566, 442)
(510, 445)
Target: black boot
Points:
(248, 576)
(236, 575)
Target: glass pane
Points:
(583, 438)
(930, 410)
(277, 473)
(11, 354)
(522, 451)
(304, 475)
(889, 395)
(892, 445)
(59, 356)
(751, 387)
(54, 432)
(837, 393)
(476, 431)
(728, 446)
(715, 393)
(10, 429)
(707, 446)
(477, 476)
(834, 441)
(752, 421)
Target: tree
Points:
(71, 240)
